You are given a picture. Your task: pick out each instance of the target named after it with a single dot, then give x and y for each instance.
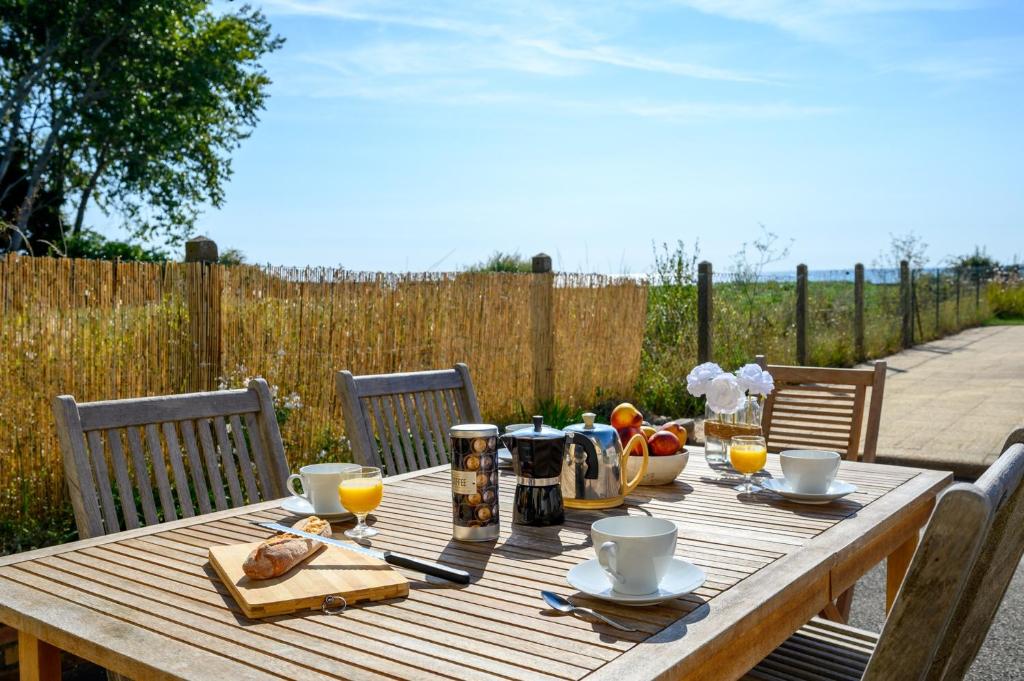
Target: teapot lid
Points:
(538, 432)
(601, 432)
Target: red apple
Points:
(663, 443)
(626, 434)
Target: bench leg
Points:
(37, 660)
(896, 567)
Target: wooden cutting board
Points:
(329, 572)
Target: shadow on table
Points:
(768, 498)
(662, 620)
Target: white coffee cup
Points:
(634, 551)
(320, 485)
(809, 471)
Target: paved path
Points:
(950, 403)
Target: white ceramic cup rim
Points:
(328, 468)
(645, 527)
(809, 454)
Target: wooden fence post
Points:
(542, 300)
(704, 311)
(906, 304)
(801, 315)
(938, 285)
(202, 361)
(858, 312)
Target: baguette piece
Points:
(282, 552)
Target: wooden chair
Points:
(960, 571)
(405, 417)
(816, 408)
(232, 456)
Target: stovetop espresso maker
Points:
(537, 455)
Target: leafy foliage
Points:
(94, 246)
(502, 262)
(232, 256)
(131, 105)
(670, 343)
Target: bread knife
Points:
(398, 559)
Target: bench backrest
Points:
(401, 421)
(819, 408)
(200, 451)
(956, 579)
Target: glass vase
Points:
(720, 428)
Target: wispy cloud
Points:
(969, 60)
(823, 20)
(523, 37)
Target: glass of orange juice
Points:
(748, 454)
(361, 493)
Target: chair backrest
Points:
(818, 408)
(968, 553)
(232, 456)
(401, 421)
(996, 564)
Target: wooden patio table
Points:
(146, 603)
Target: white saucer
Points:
(682, 578)
(836, 490)
(504, 458)
(300, 506)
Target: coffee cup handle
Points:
(607, 558)
(291, 486)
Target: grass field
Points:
(751, 318)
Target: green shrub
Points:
(1006, 297)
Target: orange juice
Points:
(748, 459)
(361, 495)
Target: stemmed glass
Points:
(360, 493)
(748, 454)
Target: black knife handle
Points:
(427, 567)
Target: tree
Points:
(232, 256)
(94, 246)
(502, 262)
(909, 247)
(133, 106)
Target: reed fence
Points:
(106, 330)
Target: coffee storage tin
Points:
(474, 449)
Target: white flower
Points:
(725, 396)
(755, 380)
(700, 378)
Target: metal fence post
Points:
(542, 299)
(801, 314)
(958, 299)
(977, 294)
(704, 311)
(202, 366)
(858, 312)
(906, 309)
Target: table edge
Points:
(678, 647)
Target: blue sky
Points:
(403, 135)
